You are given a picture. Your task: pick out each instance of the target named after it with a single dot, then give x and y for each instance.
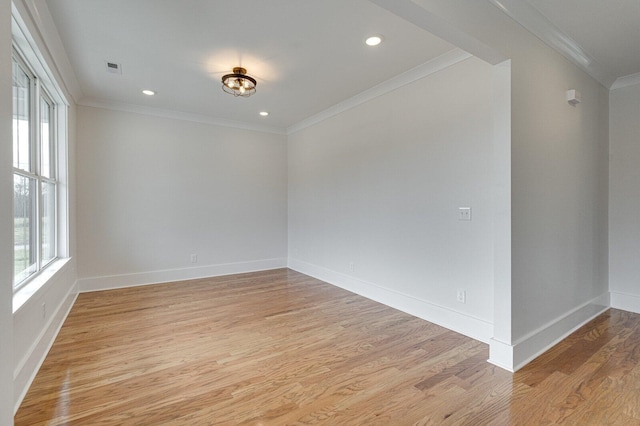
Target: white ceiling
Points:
(307, 55)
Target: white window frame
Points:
(27, 54)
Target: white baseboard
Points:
(501, 354)
(155, 277)
(445, 317)
(625, 302)
(514, 356)
(26, 370)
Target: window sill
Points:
(21, 296)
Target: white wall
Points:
(559, 176)
(6, 222)
(152, 191)
(36, 324)
(559, 184)
(380, 185)
(624, 199)
(559, 198)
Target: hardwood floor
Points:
(278, 347)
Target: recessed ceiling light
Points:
(148, 92)
(264, 113)
(373, 40)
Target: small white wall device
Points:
(573, 97)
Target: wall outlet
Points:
(464, 213)
(194, 258)
(352, 267)
(461, 296)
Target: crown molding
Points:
(36, 15)
(627, 80)
(536, 23)
(437, 64)
(179, 115)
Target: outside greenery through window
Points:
(34, 174)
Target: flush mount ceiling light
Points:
(148, 92)
(239, 83)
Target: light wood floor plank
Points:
(278, 347)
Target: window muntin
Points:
(48, 222)
(35, 180)
(47, 139)
(24, 245)
(21, 118)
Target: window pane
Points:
(24, 227)
(46, 139)
(48, 222)
(21, 109)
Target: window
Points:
(35, 183)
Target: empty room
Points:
(356, 212)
